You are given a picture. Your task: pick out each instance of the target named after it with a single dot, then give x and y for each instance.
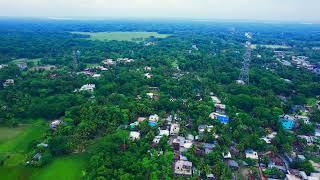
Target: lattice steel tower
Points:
(244, 74)
(76, 57)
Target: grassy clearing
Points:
(254, 46)
(63, 168)
(122, 36)
(175, 64)
(21, 137)
(16, 173)
(7, 133)
(34, 61)
(311, 101)
(92, 65)
(14, 145)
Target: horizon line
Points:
(101, 18)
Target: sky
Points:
(274, 10)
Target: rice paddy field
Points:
(122, 36)
(14, 144)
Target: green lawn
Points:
(63, 168)
(122, 36)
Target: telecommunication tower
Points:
(244, 74)
(76, 57)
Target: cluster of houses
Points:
(150, 43)
(8, 82)
(152, 121)
(302, 62)
(301, 175)
(287, 58)
(170, 127)
(3, 66)
(282, 162)
(220, 113)
(22, 65)
(93, 71)
(44, 68)
(180, 144)
(148, 75)
(291, 123)
(86, 88)
(35, 158)
(193, 47)
(106, 65)
(148, 70)
(268, 138)
(316, 48)
(111, 62)
(284, 57)
(153, 93)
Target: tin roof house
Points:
(287, 122)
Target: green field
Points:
(63, 168)
(312, 101)
(122, 36)
(7, 133)
(16, 140)
(175, 64)
(14, 144)
(15, 173)
(34, 61)
(254, 46)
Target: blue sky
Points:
(279, 10)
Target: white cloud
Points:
(226, 9)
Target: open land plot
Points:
(122, 36)
(62, 168)
(21, 137)
(7, 133)
(254, 46)
(14, 143)
(34, 61)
